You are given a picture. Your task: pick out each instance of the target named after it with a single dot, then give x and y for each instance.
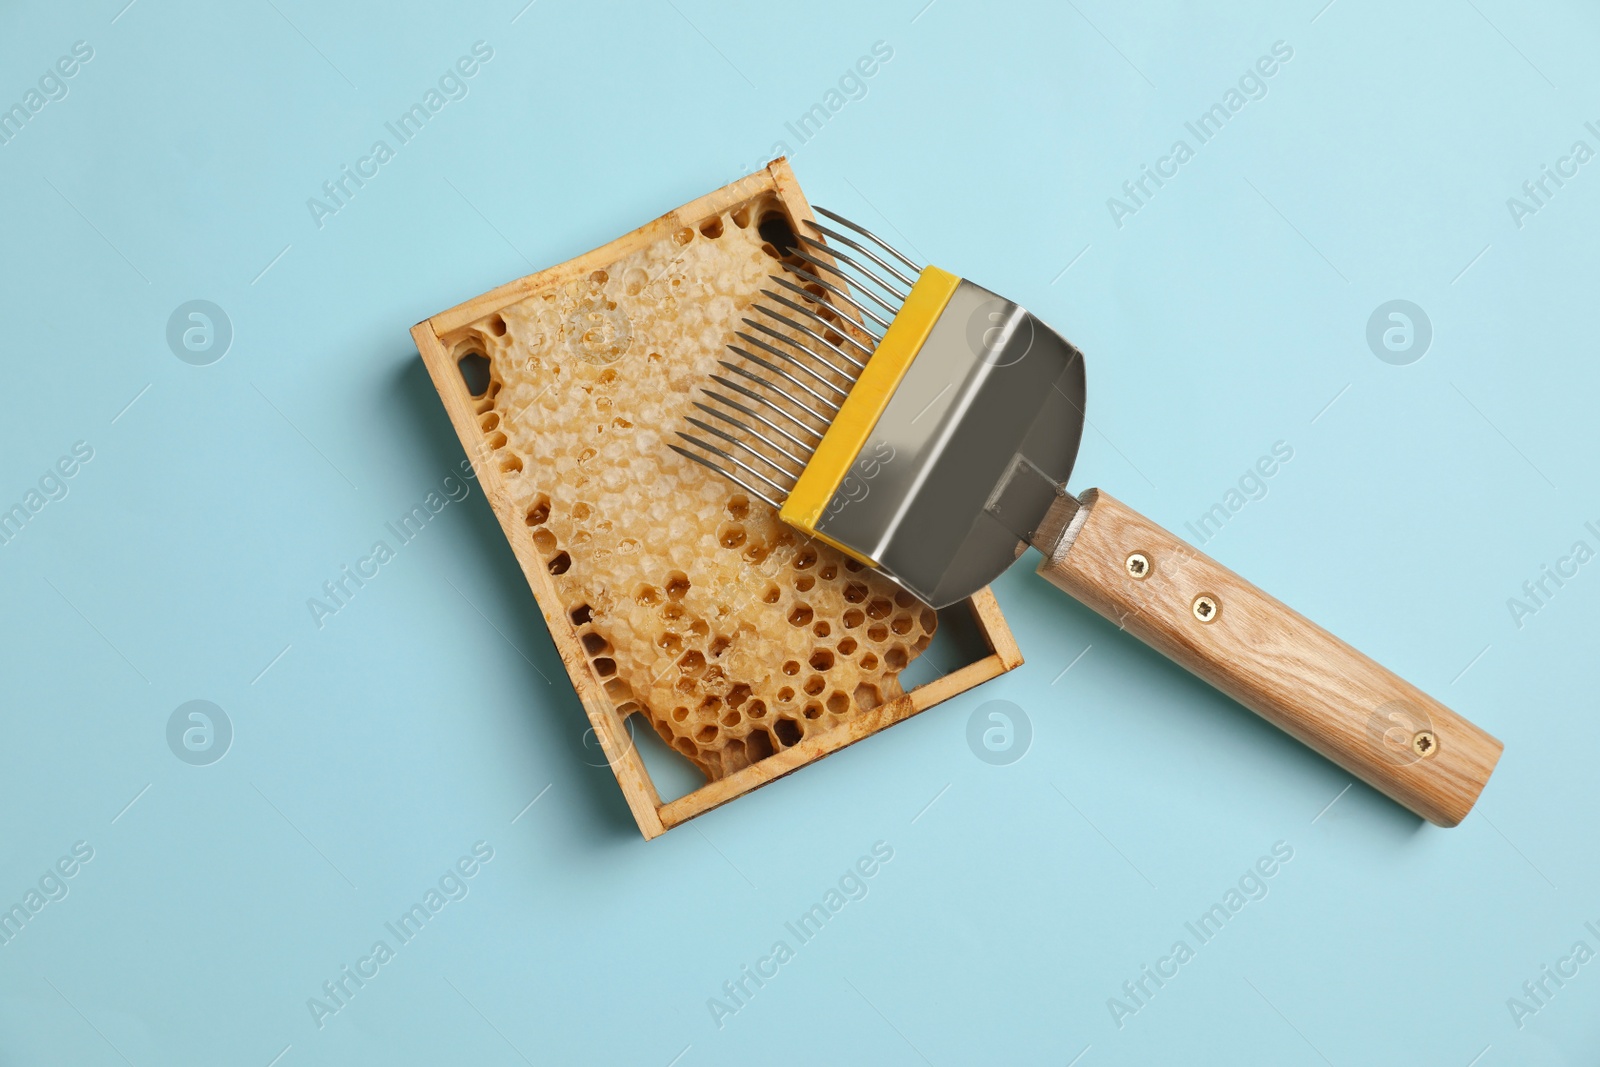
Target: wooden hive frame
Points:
(437, 340)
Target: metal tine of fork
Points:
(747, 413)
(835, 235)
(792, 287)
(853, 361)
(853, 263)
(732, 440)
(787, 358)
(763, 401)
(770, 332)
(786, 376)
(816, 279)
(732, 477)
(891, 308)
(756, 434)
(820, 321)
(869, 235)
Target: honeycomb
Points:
(735, 636)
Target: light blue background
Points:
(1228, 314)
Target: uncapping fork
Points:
(926, 427)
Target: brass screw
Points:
(1205, 608)
(1425, 744)
(1138, 566)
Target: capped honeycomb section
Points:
(735, 636)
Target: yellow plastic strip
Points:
(859, 413)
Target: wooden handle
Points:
(1281, 666)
